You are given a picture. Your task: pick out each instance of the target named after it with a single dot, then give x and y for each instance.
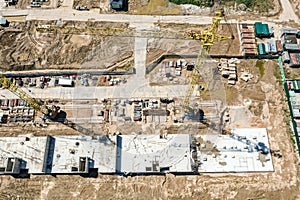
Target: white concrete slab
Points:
(68, 149)
(235, 154)
(150, 153)
(31, 152)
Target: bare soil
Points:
(296, 5)
(22, 4)
(154, 7)
(267, 109)
(228, 46)
(157, 47)
(26, 49)
(89, 3)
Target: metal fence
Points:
(286, 89)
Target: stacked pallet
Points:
(228, 70)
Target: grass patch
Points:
(287, 73)
(277, 74)
(263, 6)
(292, 137)
(248, 3)
(260, 66)
(258, 5)
(229, 3)
(154, 84)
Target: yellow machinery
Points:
(50, 113)
(11, 86)
(207, 37)
(111, 31)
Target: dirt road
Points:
(288, 12)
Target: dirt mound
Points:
(25, 48)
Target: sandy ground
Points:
(263, 102)
(24, 48)
(157, 47)
(265, 107)
(295, 4)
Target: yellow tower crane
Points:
(11, 86)
(49, 112)
(207, 37)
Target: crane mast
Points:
(12, 87)
(49, 112)
(207, 38)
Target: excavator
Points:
(207, 38)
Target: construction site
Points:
(169, 107)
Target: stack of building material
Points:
(228, 70)
(245, 76)
(293, 48)
(290, 46)
(261, 49)
(248, 40)
(271, 47)
(288, 31)
(286, 57)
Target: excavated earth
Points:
(266, 107)
(23, 48)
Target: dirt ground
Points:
(89, 3)
(157, 47)
(24, 49)
(228, 46)
(154, 7)
(296, 5)
(263, 101)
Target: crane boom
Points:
(109, 31)
(11, 86)
(207, 37)
(39, 106)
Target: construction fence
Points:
(286, 89)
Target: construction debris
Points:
(228, 69)
(245, 76)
